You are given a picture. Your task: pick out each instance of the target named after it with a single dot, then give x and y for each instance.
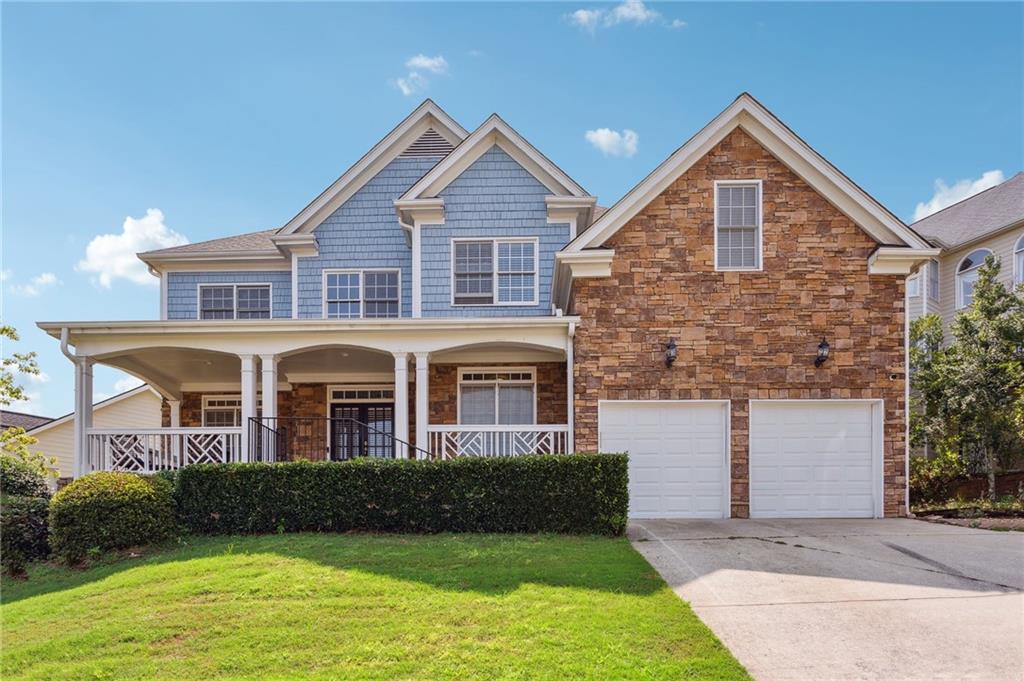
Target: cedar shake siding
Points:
(743, 335)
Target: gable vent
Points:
(430, 143)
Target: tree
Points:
(15, 442)
(972, 392)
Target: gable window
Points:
(1018, 261)
(234, 301)
(967, 276)
(354, 294)
(494, 272)
(498, 396)
(738, 225)
(933, 279)
(914, 286)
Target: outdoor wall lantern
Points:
(671, 352)
(822, 352)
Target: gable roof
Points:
(426, 116)
(103, 404)
(240, 243)
(977, 216)
(494, 131)
(747, 113)
(19, 419)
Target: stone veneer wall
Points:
(743, 335)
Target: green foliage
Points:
(16, 443)
(21, 479)
(23, 531)
(934, 480)
(105, 511)
(577, 494)
(970, 394)
(18, 362)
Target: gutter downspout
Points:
(570, 379)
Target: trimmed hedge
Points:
(572, 494)
(110, 511)
(23, 531)
(19, 479)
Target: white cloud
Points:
(475, 53)
(112, 256)
(411, 84)
(125, 384)
(32, 404)
(422, 62)
(36, 285)
(633, 12)
(946, 195)
(4, 275)
(41, 377)
(612, 142)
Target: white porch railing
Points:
(148, 450)
(448, 442)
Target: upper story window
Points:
(1018, 261)
(354, 294)
(967, 276)
(914, 286)
(738, 225)
(234, 301)
(933, 279)
(494, 272)
(497, 396)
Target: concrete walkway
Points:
(814, 600)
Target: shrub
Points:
(578, 494)
(20, 479)
(934, 480)
(105, 511)
(23, 532)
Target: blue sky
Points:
(230, 117)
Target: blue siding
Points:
(182, 290)
(364, 234)
(494, 197)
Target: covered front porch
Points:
(280, 390)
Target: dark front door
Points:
(362, 430)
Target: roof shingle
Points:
(976, 216)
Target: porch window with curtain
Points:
(497, 398)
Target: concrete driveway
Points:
(850, 599)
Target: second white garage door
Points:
(678, 467)
(815, 459)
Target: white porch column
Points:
(402, 404)
(422, 399)
(83, 416)
(268, 364)
(175, 406)
(248, 400)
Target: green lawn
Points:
(360, 607)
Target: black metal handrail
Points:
(310, 436)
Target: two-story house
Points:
(988, 223)
(735, 322)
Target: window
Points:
(914, 286)
(967, 276)
(933, 279)
(234, 301)
(738, 225)
(494, 272)
(497, 396)
(364, 293)
(224, 411)
(1018, 261)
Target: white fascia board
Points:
(419, 211)
(494, 131)
(573, 210)
(769, 131)
(218, 260)
(896, 260)
(570, 266)
(426, 115)
(302, 245)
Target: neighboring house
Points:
(134, 409)
(457, 294)
(990, 222)
(17, 419)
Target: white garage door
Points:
(677, 456)
(814, 459)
